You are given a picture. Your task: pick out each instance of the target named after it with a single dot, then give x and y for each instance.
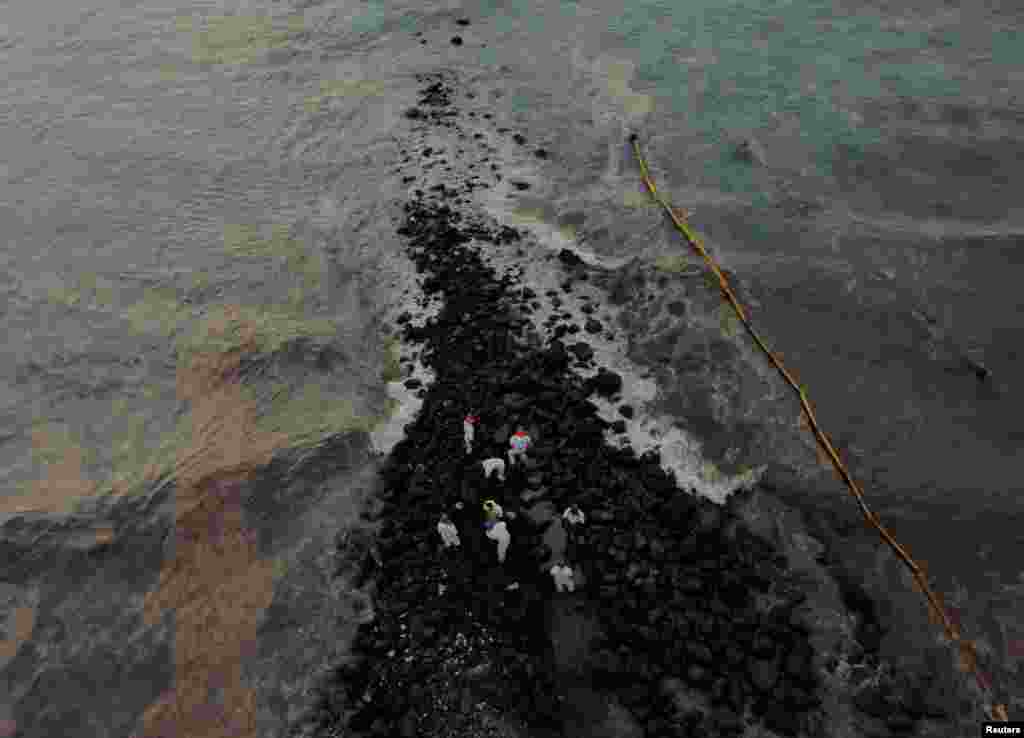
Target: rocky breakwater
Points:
(678, 638)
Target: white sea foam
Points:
(386, 435)
(407, 292)
(680, 452)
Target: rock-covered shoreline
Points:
(687, 620)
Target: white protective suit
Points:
(573, 518)
(499, 532)
(563, 578)
(494, 465)
(449, 533)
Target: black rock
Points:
(696, 674)
(921, 698)
(570, 259)
(508, 235)
(413, 383)
(607, 661)
(658, 727)
(542, 552)
(605, 383)
(619, 426)
(593, 326)
(800, 659)
(699, 652)
(462, 22)
(582, 350)
(709, 519)
(751, 151)
(725, 722)
(801, 699)
(691, 585)
(626, 411)
(764, 673)
(363, 719)
(763, 646)
(541, 153)
(519, 185)
(515, 401)
(900, 723)
(781, 720)
(557, 357)
(456, 40)
(414, 113)
(737, 693)
(519, 139)
(407, 726)
(872, 702)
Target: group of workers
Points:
(497, 530)
(519, 442)
(494, 516)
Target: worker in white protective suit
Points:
(469, 430)
(492, 511)
(449, 533)
(563, 576)
(498, 531)
(494, 465)
(573, 516)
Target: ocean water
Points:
(161, 163)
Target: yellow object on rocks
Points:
(493, 510)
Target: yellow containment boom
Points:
(968, 652)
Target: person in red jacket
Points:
(520, 444)
(468, 431)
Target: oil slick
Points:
(239, 39)
(343, 88)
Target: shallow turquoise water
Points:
(766, 54)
